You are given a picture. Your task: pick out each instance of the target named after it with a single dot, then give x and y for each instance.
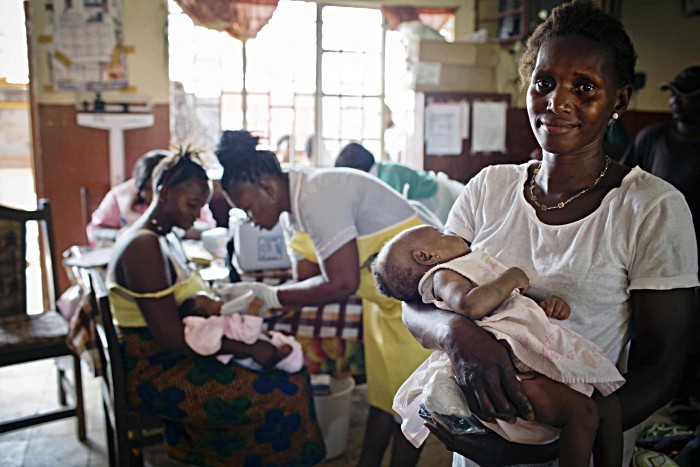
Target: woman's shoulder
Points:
(137, 243)
(503, 172)
(642, 187)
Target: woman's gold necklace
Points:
(561, 204)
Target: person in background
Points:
(436, 191)
(283, 149)
(214, 414)
(126, 202)
(616, 243)
(671, 150)
(340, 218)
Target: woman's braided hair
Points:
(242, 163)
(583, 18)
(182, 166)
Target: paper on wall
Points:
(489, 126)
(465, 119)
(443, 129)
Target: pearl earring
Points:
(157, 225)
(615, 116)
(613, 119)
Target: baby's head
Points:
(402, 262)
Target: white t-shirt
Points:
(640, 237)
(337, 205)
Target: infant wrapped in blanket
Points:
(208, 318)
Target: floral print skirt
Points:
(218, 414)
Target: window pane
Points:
(232, 64)
(283, 55)
(351, 73)
(351, 123)
(372, 118)
(331, 117)
(231, 113)
(281, 121)
(352, 29)
(258, 116)
(305, 119)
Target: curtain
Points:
(435, 18)
(241, 19)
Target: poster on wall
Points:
(86, 44)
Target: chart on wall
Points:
(85, 41)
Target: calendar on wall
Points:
(85, 40)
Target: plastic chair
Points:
(26, 338)
(128, 431)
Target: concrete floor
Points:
(31, 387)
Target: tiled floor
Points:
(29, 387)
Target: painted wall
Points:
(666, 41)
(68, 157)
(145, 23)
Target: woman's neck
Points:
(285, 196)
(156, 221)
(560, 173)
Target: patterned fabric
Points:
(222, 415)
(12, 268)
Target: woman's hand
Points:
(490, 449)
(485, 372)
(267, 294)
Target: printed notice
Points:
(489, 126)
(443, 129)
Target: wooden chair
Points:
(128, 431)
(26, 338)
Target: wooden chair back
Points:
(27, 338)
(128, 431)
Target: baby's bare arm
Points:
(475, 302)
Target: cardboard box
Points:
(433, 76)
(453, 53)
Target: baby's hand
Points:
(208, 303)
(522, 282)
(555, 307)
(268, 355)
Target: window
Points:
(284, 94)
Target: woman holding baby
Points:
(616, 243)
(214, 413)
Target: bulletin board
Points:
(85, 44)
(465, 132)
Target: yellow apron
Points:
(391, 352)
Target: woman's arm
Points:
(661, 326)
(303, 269)
(146, 269)
(339, 278)
(481, 365)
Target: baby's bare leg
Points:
(558, 405)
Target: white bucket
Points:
(333, 413)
